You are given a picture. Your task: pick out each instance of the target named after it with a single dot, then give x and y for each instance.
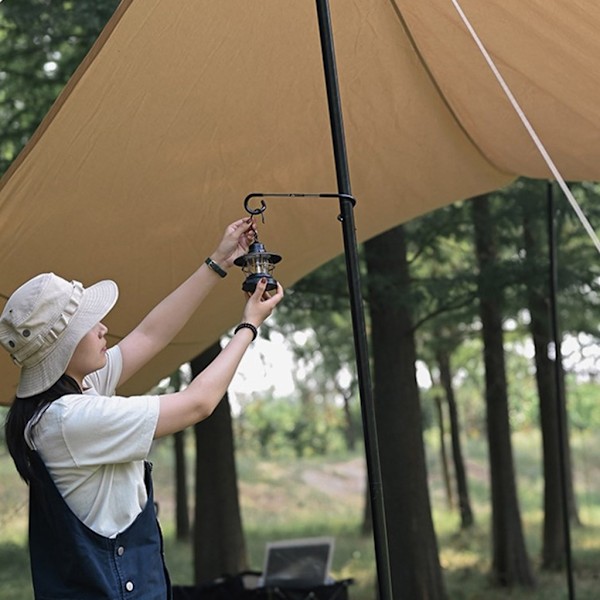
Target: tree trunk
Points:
(367, 520)
(443, 453)
(350, 426)
(553, 546)
(462, 488)
(415, 567)
(571, 498)
(219, 544)
(510, 562)
(182, 514)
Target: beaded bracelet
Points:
(249, 326)
(215, 267)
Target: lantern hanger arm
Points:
(263, 205)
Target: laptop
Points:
(298, 563)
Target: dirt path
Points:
(340, 479)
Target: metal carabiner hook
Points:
(255, 211)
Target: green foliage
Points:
(316, 318)
(15, 580)
(319, 304)
(443, 285)
(283, 427)
(583, 405)
(443, 300)
(578, 268)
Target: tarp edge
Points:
(66, 91)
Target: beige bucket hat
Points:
(44, 320)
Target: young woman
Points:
(93, 532)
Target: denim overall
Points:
(69, 561)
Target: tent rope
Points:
(536, 140)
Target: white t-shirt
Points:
(94, 444)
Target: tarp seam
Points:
(441, 94)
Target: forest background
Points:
(464, 382)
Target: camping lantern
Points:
(258, 263)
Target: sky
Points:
(267, 364)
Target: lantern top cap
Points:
(255, 250)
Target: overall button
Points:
(129, 586)
(120, 550)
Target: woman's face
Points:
(90, 354)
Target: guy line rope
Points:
(536, 140)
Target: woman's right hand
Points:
(261, 303)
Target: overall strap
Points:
(70, 561)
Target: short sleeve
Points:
(100, 430)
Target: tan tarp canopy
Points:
(184, 107)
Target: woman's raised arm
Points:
(167, 319)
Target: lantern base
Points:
(252, 281)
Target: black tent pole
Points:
(560, 397)
(356, 304)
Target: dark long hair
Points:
(25, 409)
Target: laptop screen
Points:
(298, 563)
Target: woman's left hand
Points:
(237, 238)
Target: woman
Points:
(92, 527)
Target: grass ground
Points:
(289, 499)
